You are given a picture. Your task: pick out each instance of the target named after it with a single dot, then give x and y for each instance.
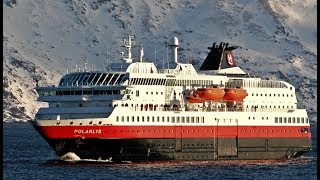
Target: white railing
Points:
(206, 109)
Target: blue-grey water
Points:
(27, 156)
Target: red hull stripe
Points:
(128, 132)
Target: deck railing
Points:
(206, 109)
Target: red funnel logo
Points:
(230, 59)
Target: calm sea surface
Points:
(27, 156)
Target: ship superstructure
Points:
(146, 113)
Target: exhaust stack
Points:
(175, 45)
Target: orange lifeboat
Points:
(194, 97)
(211, 94)
(235, 94)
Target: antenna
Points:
(85, 64)
(162, 62)
(155, 50)
(141, 53)
(107, 55)
(167, 46)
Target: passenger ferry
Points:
(142, 113)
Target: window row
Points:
(270, 106)
(254, 118)
(91, 79)
(146, 81)
(79, 92)
(291, 120)
(172, 119)
(171, 82)
(274, 95)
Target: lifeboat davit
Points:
(235, 94)
(211, 94)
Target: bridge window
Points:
(280, 119)
(173, 119)
(298, 120)
(276, 119)
(293, 120)
(285, 120)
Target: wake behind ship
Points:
(146, 113)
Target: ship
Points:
(141, 113)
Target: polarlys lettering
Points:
(87, 131)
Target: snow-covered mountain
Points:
(42, 39)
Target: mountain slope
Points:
(42, 39)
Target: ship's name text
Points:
(87, 131)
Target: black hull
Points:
(182, 149)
